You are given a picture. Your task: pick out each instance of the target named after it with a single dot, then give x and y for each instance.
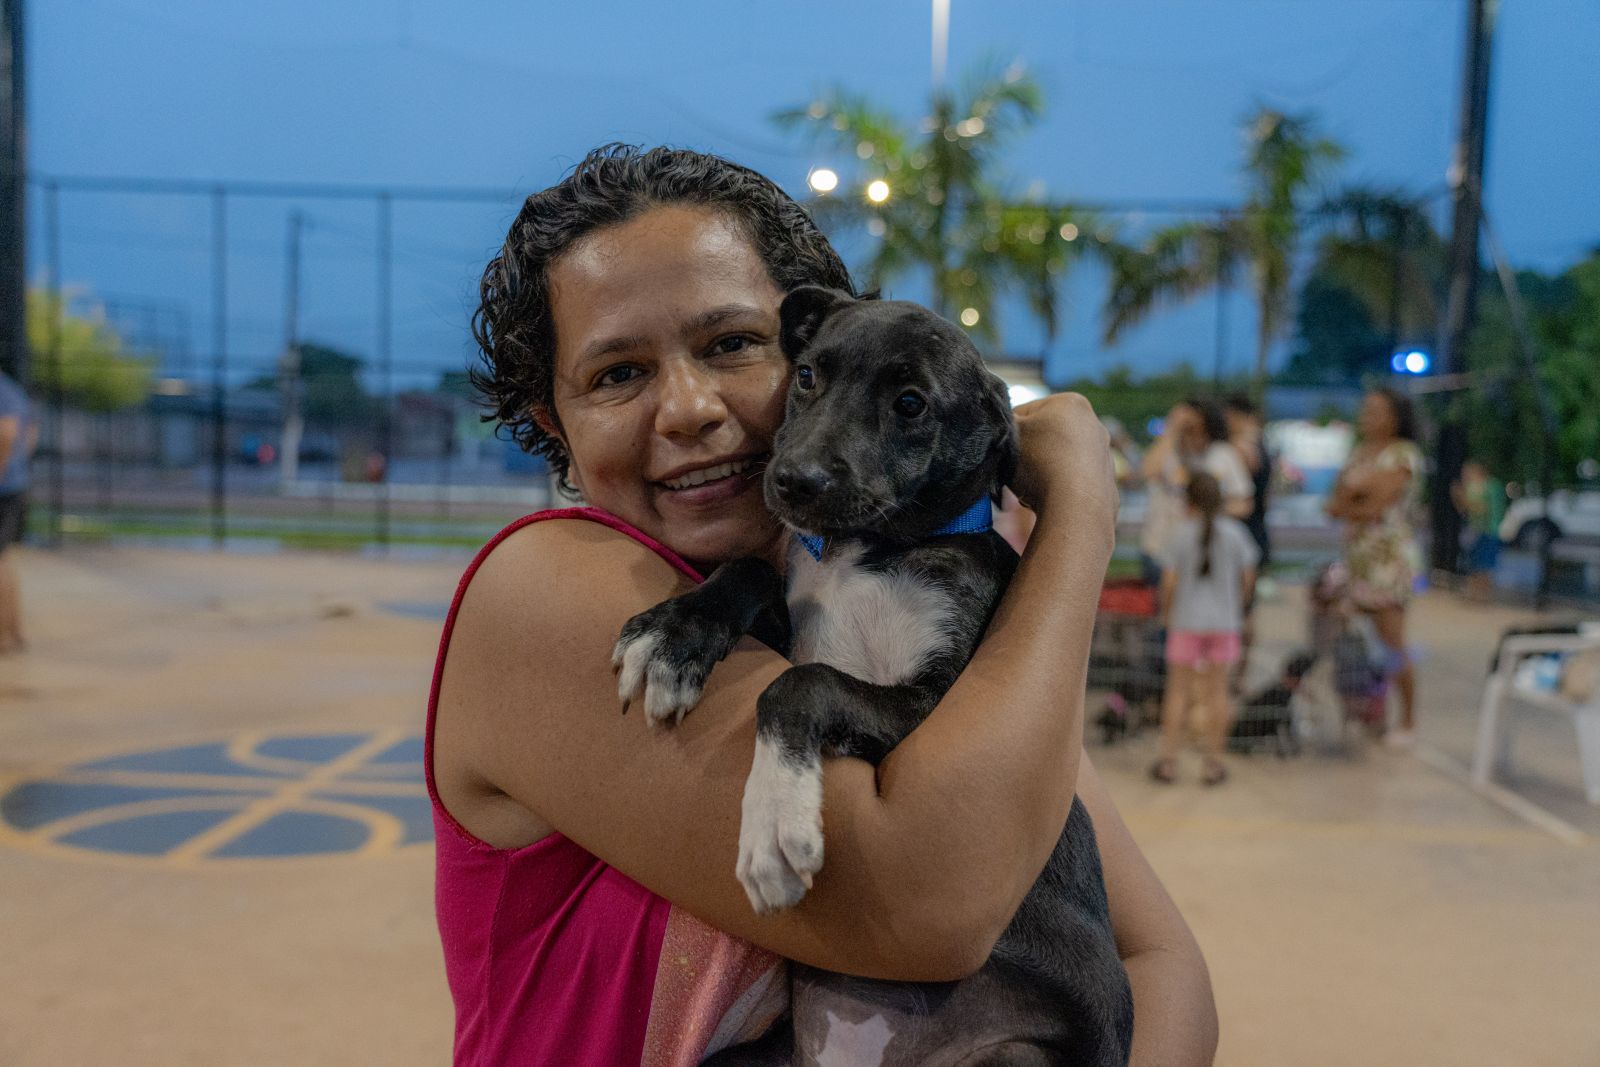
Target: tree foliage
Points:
(950, 216)
(1504, 424)
(1286, 160)
(332, 393)
(97, 372)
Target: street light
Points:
(878, 191)
(969, 316)
(1414, 361)
(822, 181)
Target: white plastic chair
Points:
(1493, 750)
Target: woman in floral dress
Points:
(1375, 495)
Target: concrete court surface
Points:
(1356, 907)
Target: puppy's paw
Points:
(664, 656)
(780, 839)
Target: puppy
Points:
(1268, 714)
(895, 437)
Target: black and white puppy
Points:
(894, 438)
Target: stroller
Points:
(1348, 638)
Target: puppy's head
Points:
(894, 426)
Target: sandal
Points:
(1164, 771)
(1215, 773)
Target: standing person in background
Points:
(18, 435)
(1481, 500)
(1246, 434)
(1194, 437)
(1210, 565)
(1374, 495)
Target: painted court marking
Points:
(250, 798)
(1521, 807)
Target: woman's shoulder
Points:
(566, 563)
(1400, 453)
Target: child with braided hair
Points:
(1207, 570)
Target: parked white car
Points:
(1572, 514)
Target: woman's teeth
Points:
(710, 474)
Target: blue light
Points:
(1155, 426)
(1413, 361)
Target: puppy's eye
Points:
(804, 377)
(909, 405)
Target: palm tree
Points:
(1285, 160)
(947, 214)
(1382, 248)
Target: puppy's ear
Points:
(997, 402)
(802, 314)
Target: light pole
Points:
(941, 40)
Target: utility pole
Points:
(13, 189)
(1466, 183)
(289, 364)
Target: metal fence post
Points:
(385, 364)
(58, 309)
(219, 366)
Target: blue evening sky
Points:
(1144, 101)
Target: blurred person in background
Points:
(18, 436)
(1374, 496)
(1209, 569)
(1481, 500)
(1247, 435)
(585, 887)
(1194, 437)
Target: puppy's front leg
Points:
(805, 710)
(665, 654)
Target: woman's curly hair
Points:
(514, 326)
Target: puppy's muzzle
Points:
(798, 484)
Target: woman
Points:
(1194, 437)
(586, 895)
(1374, 495)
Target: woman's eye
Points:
(804, 377)
(909, 405)
(617, 375)
(728, 345)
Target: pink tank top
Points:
(553, 957)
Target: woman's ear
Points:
(545, 419)
(997, 399)
(802, 313)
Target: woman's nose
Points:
(690, 402)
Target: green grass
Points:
(103, 529)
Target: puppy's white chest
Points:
(878, 626)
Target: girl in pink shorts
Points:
(1207, 570)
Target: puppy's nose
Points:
(802, 483)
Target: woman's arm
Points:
(1174, 1014)
(926, 861)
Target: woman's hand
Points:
(1066, 461)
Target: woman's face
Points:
(669, 382)
(1189, 429)
(1377, 421)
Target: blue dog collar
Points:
(976, 519)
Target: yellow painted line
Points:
(242, 750)
(292, 795)
(84, 820)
